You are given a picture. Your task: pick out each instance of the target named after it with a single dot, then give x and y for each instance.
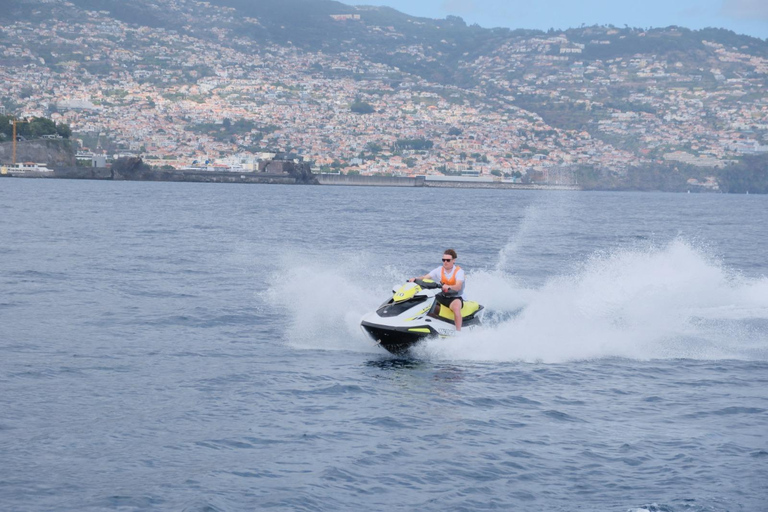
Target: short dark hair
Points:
(451, 252)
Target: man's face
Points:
(447, 261)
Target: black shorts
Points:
(446, 300)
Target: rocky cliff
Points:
(301, 171)
(58, 152)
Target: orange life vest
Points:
(452, 281)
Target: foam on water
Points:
(671, 302)
(324, 303)
(650, 303)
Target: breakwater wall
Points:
(80, 173)
(369, 181)
(497, 185)
(106, 173)
(421, 181)
(215, 177)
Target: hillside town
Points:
(537, 107)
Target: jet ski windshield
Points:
(392, 308)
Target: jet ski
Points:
(413, 314)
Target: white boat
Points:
(25, 167)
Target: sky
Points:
(748, 17)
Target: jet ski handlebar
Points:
(428, 284)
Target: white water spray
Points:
(669, 302)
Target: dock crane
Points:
(14, 122)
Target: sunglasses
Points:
(447, 259)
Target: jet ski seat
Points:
(468, 309)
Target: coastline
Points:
(432, 182)
(105, 173)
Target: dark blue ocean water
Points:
(196, 347)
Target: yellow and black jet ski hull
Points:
(397, 340)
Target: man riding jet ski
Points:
(430, 305)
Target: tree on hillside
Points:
(33, 128)
(63, 130)
(420, 144)
(361, 107)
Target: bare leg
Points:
(456, 308)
